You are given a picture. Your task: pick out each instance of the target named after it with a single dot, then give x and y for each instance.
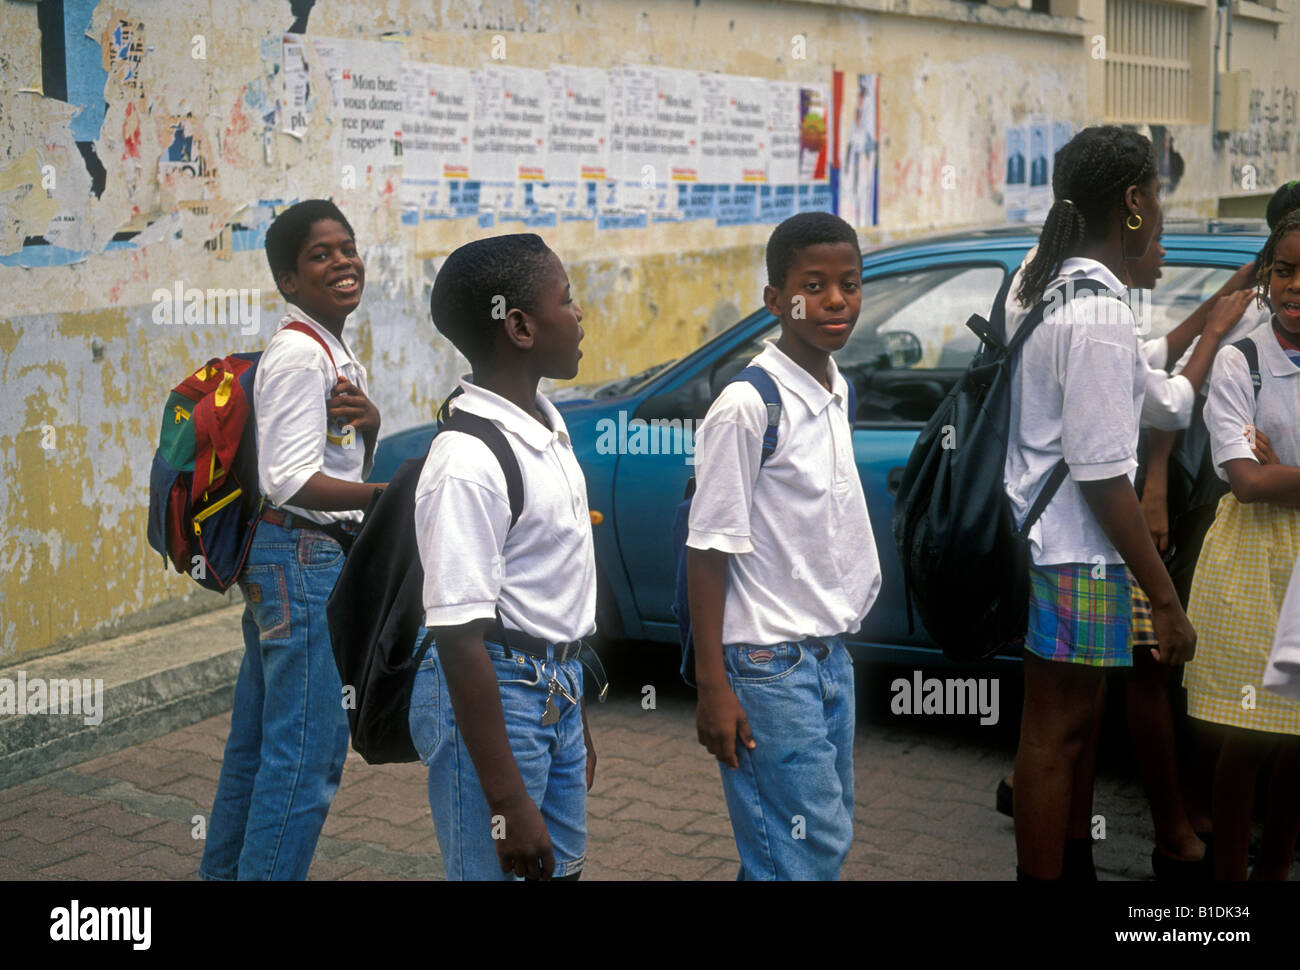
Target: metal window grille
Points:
(1148, 62)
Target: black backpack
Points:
(377, 605)
(965, 561)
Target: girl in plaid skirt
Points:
(1077, 396)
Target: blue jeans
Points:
(551, 759)
(288, 730)
(791, 799)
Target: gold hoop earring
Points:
(1129, 222)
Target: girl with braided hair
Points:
(1076, 398)
(1244, 569)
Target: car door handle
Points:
(894, 480)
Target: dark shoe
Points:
(1004, 801)
(1168, 869)
(1022, 877)
(1077, 865)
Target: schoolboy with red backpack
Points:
(315, 435)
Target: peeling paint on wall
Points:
(164, 167)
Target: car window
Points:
(931, 304)
(1180, 290)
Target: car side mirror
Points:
(902, 348)
(689, 400)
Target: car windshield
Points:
(611, 388)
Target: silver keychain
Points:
(551, 713)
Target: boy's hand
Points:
(1176, 640)
(1227, 311)
(526, 849)
(348, 404)
(719, 719)
(591, 748)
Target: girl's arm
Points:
(1180, 338)
(1253, 482)
(1155, 493)
(1227, 310)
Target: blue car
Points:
(633, 435)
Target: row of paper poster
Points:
(1031, 152)
(622, 147)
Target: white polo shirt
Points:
(802, 557)
(1077, 393)
(295, 438)
(1230, 407)
(1167, 402)
(542, 573)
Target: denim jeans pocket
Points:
(516, 669)
(752, 664)
(317, 550)
(267, 596)
(425, 708)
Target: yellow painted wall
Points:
(85, 370)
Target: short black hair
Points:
(799, 232)
(1285, 200)
(482, 281)
(1089, 178)
(286, 235)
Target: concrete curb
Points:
(153, 682)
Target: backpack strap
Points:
(1057, 297)
(1051, 299)
(492, 436)
(766, 387)
(1054, 479)
(299, 327)
(1250, 350)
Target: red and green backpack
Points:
(204, 500)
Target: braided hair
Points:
(1288, 224)
(1091, 173)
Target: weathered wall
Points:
(85, 369)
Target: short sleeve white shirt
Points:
(1167, 401)
(1231, 409)
(803, 558)
(295, 437)
(1076, 394)
(541, 573)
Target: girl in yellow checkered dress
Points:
(1243, 572)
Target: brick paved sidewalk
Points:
(924, 804)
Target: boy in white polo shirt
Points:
(781, 565)
(496, 709)
(316, 431)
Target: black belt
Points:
(537, 647)
(343, 532)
